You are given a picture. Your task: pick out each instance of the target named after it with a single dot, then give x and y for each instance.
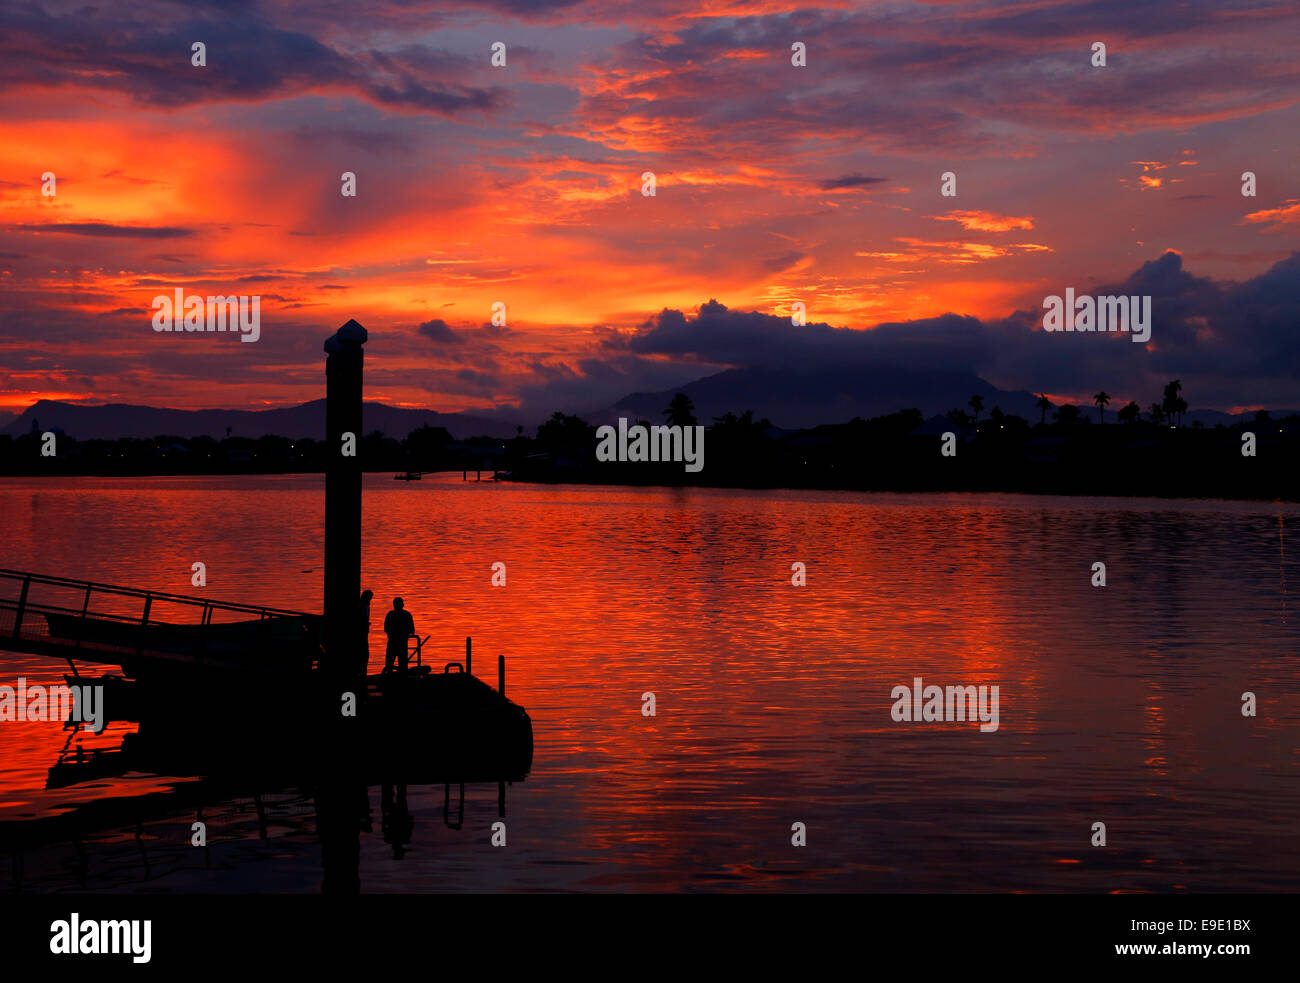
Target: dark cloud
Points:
(530, 7)
(107, 230)
(898, 78)
(134, 51)
(1232, 343)
(719, 336)
(779, 264)
(440, 331)
(482, 380)
(850, 181)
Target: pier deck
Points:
(209, 690)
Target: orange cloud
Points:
(986, 221)
(1288, 214)
(953, 251)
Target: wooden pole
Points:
(343, 394)
(501, 674)
(469, 670)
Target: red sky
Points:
(776, 184)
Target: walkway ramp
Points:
(85, 621)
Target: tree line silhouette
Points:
(1146, 455)
(1170, 409)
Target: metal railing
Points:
(72, 618)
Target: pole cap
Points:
(350, 335)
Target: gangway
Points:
(87, 621)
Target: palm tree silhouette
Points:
(976, 404)
(1129, 413)
(1101, 399)
(681, 411)
(1044, 404)
(1157, 414)
(1172, 399)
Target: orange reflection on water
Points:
(773, 701)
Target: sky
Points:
(775, 184)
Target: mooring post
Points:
(501, 674)
(468, 656)
(343, 394)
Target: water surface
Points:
(1118, 705)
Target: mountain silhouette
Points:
(794, 399)
(116, 420)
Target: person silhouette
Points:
(398, 626)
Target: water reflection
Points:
(335, 810)
(1119, 704)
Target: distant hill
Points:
(115, 420)
(790, 399)
(794, 399)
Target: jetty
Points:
(226, 687)
(464, 474)
(258, 671)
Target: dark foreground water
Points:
(1119, 705)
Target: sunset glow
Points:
(523, 185)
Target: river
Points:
(1118, 704)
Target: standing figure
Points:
(398, 626)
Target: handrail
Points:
(63, 621)
(148, 595)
